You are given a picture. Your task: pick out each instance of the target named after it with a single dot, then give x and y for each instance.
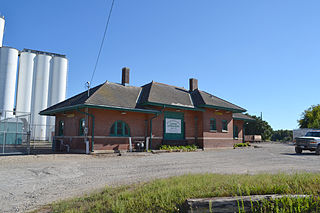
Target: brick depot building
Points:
(108, 114)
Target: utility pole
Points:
(86, 126)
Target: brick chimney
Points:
(125, 76)
(193, 84)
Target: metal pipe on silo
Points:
(40, 96)
(2, 23)
(25, 82)
(8, 69)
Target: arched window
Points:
(120, 128)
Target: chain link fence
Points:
(19, 136)
(14, 133)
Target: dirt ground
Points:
(27, 182)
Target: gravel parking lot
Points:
(26, 182)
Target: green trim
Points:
(123, 125)
(80, 106)
(222, 108)
(179, 115)
(173, 106)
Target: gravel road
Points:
(27, 182)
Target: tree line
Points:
(261, 127)
(310, 118)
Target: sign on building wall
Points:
(173, 126)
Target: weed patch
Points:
(246, 144)
(188, 148)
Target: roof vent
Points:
(193, 84)
(125, 76)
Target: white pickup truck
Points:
(311, 142)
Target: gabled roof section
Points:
(145, 93)
(204, 99)
(240, 116)
(75, 100)
(115, 95)
(108, 95)
(163, 94)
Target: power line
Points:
(104, 35)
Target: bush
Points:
(246, 144)
(188, 148)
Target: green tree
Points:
(310, 118)
(282, 135)
(259, 127)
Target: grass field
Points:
(166, 195)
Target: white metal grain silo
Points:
(2, 22)
(8, 71)
(25, 82)
(58, 80)
(57, 88)
(40, 96)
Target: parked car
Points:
(311, 142)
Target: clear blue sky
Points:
(261, 55)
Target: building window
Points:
(82, 126)
(224, 126)
(119, 128)
(213, 125)
(235, 132)
(61, 128)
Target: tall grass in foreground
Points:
(287, 204)
(167, 195)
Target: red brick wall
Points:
(103, 122)
(71, 128)
(104, 119)
(190, 118)
(218, 138)
(139, 128)
(239, 124)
